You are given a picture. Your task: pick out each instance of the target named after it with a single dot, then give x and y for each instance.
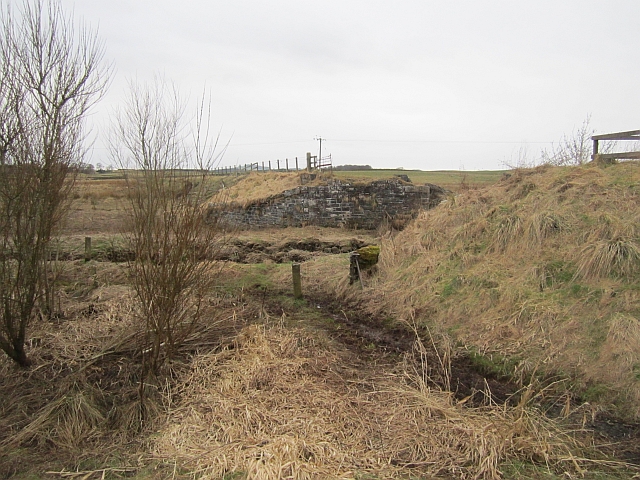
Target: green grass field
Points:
(451, 179)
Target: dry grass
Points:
(530, 267)
(283, 404)
(621, 353)
(507, 234)
(277, 402)
(65, 404)
(80, 400)
(93, 190)
(68, 422)
(260, 186)
(619, 257)
(271, 401)
(543, 225)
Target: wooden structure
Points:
(87, 249)
(612, 157)
(255, 167)
(316, 163)
(313, 163)
(297, 281)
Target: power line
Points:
(481, 142)
(506, 142)
(265, 143)
(497, 142)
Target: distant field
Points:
(451, 179)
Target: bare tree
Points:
(167, 161)
(571, 150)
(51, 73)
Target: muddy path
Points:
(441, 369)
(377, 342)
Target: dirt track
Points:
(374, 341)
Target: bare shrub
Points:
(51, 73)
(575, 149)
(169, 232)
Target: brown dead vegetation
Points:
(255, 394)
(280, 403)
(538, 272)
(260, 186)
(264, 389)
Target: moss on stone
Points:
(368, 255)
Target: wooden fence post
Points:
(297, 282)
(354, 269)
(287, 160)
(87, 249)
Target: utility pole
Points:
(320, 139)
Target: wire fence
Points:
(286, 165)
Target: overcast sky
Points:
(420, 84)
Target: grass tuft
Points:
(543, 225)
(619, 258)
(67, 422)
(508, 232)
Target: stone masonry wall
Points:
(337, 204)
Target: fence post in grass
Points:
(296, 164)
(297, 282)
(278, 164)
(87, 249)
(287, 160)
(354, 269)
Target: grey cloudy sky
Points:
(409, 83)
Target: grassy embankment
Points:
(537, 275)
(453, 180)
